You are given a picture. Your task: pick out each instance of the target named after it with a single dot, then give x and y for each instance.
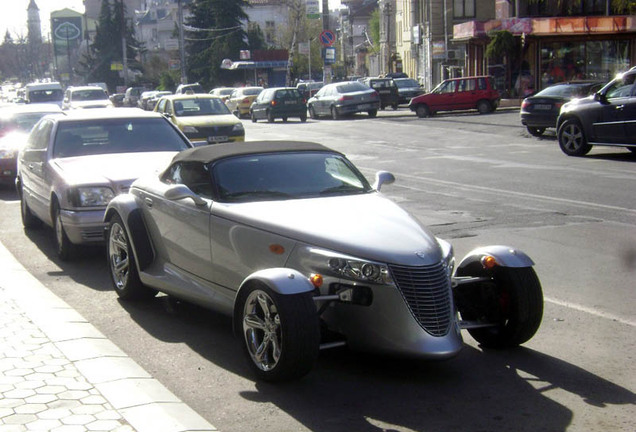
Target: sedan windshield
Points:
(90, 137)
(200, 106)
(89, 95)
(287, 176)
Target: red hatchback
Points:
(454, 94)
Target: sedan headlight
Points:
(190, 129)
(92, 196)
(348, 267)
(238, 128)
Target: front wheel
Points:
(280, 333)
(312, 113)
(422, 111)
(512, 302)
(65, 248)
(572, 139)
(121, 262)
(29, 220)
(535, 131)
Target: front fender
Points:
(281, 280)
(505, 256)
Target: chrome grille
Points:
(426, 291)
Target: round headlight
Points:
(369, 271)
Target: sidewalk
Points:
(58, 373)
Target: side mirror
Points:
(381, 178)
(180, 191)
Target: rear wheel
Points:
(484, 107)
(270, 116)
(535, 131)
(513, 302)
(254, 120)
(394, 106)
(422, 111)
(280, 334)
(572, 138)
(303, 117)
(121, 262)
(372, 113)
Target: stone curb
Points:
(140, 399)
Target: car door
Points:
(182, 228)
(608, 123)
(444, 97)
(33, 169)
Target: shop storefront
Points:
(552, 50)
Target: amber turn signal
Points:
(488, 262)
(277, 249)
(316, 280)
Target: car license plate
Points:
(364, 106)
(385, 91)
(543, 107)
(290, 102)
(219, 138)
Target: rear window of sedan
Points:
(352, 87)
(101, 136)
(569, 90)
(279, 176)
(200, 106)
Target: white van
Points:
(44, 93)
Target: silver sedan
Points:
(344, 98)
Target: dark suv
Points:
(387, 90)
(607, 118)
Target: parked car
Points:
(74, 164)
(189, 89)
(152, 100)
(117, 99)
(387, 90)
(408, 88)
(241, 99)
(143, 98)
(279, 102)
(131, 96)
(309, 88)
(84, 97)
(230, 230)
(458, 94)
(540, 111)
(608, 118)
(345, 98)
(222, 92)
(15, 124)
(203, 118)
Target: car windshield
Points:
(200, 106)
(351, 87)
(380, 84)
(566, 90)
(21, 121)
(252, 91)
(403, 83)
(289, 175)
(88, 95)
(101, 136)
(53, 95)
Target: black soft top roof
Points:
(214, 152)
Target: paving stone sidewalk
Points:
(58, 373)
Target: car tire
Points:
(632, 149)
(484, 107)
(284, 119)
(516, 302)
(334, 113)
(270, 117)
(373, 113)
(572, 139)
(29, 220)
(394, 106)
(312, 113)
(254, 120)
(535, 131)
(121, 263)
(280, 334)
(422, 111)
(303, 117)
(65, 249)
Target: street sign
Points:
(329, 55)
(327, 38)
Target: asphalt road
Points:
(475, 180)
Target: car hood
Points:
(208, 120)
(118, 169)
(366, 226)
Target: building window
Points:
(464, 8)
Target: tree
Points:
(502, 44)
(215, 32)
(570, 7)
(106, 48)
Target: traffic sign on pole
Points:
(327, 38)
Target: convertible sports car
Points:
(291, 240)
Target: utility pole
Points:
(184, 77)
(326, 69)
(123, 43)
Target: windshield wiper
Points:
(343, 188)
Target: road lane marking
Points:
(590, 310)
